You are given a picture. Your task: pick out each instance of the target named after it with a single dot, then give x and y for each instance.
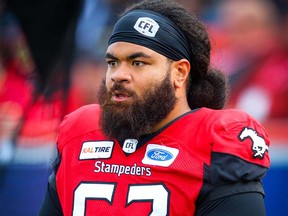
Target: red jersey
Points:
(162, 174)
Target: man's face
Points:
(138, 92)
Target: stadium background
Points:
(51, 56)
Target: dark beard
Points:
(123, 121)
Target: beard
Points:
(130, 120)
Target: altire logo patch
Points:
(160, 155)
(146, 26)
(96, 149)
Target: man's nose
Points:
(122, 74)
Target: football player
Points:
(159, 142)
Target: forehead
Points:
(118, 49)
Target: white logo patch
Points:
(130, 145)
(259, 147)
(96, 149)
(160, 155)
(146, 26)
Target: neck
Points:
(179, 109)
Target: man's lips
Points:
(118, 96)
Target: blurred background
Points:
(52, 60)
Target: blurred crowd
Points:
(249, 43)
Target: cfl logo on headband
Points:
(146, 26)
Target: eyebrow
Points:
(129, 57)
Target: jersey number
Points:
(157, 194)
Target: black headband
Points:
(154, 31)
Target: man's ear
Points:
(181, 71)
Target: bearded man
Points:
(159, 142)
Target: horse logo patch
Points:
(259, 147)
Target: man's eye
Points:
(138, 63)
(112, 63)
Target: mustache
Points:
(120, 88)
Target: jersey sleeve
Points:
(237, 133)
(239, 156)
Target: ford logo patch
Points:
(159, 155)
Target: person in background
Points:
(159, 142)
